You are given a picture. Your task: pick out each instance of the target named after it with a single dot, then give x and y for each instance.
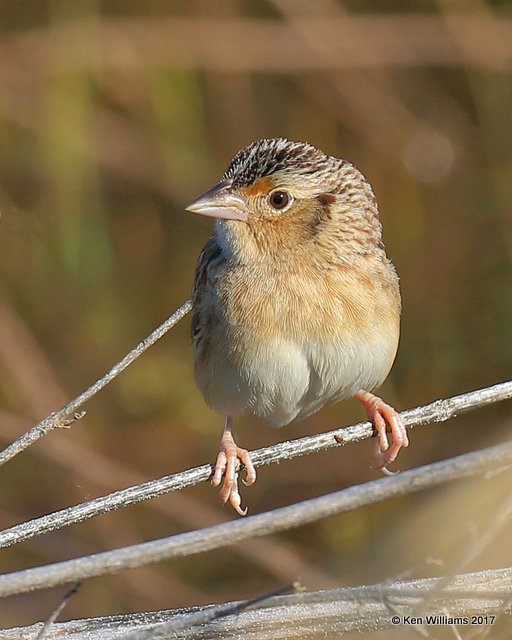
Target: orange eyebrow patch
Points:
(261, 185)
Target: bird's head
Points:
(278, 195)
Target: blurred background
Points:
(114, 115)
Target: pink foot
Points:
(227, 466)
(381, 415)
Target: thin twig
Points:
(469, 464)
(56, 612)
(70, 413)
(209, 614)
(437, 411)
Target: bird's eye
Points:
(279, 199)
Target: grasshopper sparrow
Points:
(295, 303)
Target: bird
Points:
(295, 303)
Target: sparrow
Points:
(295, 303)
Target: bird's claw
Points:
(226, 470)
(382, 415)
(385, 453)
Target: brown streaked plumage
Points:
(295, 303)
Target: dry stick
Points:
(56, 612)
(70, 413)
(281, 519)
(205, 615)
(437, 411)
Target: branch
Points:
(495, 458)
(318, 613)
(437, 411)
(43, 633)
(207, 615)
(70, 413)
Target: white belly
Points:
(281, 380)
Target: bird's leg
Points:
(381, 415)
(227, 466)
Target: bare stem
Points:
(207, 615)
(57, 611)
(70, 413)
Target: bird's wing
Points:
(208, 259)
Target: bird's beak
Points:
(220, 202)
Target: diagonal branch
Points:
(437, 411)
(70, 413)
(43, 633)
(282, 519)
